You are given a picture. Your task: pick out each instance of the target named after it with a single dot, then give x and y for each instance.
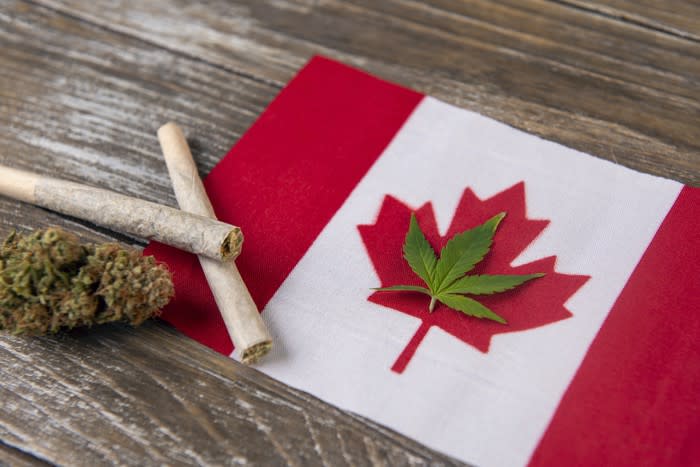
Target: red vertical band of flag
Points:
(285, 179)
(635, 400)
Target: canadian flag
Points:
(599, 363)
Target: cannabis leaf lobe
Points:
(404, 288)
(464, 251)
(418, 252)
(469, 307)
(487, 284)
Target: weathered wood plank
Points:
(611, 88)
(151, 396)
(84, 103)
(679, 17)
(11, 457)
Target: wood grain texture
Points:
(16, 458)
(83, 103)
(85, 85)
(614, 89)
(678, 17)
(154, 397)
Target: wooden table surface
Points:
(85, 84)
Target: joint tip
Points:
(255, 352)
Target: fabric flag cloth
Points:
(599, 363)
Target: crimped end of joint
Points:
(232, 244)
(255, 352)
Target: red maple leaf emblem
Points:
(533, 304)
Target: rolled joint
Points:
(255, 352)
(232, 244)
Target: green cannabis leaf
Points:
(445, 277)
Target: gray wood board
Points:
(596, 83)
(83, 103)
(678, 17)
(150, 396)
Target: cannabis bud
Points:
(49, 282)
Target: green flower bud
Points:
(49, 282)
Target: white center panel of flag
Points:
(331, 341)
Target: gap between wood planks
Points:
(628, 18)
(11, 456)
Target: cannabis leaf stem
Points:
(445, 277)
